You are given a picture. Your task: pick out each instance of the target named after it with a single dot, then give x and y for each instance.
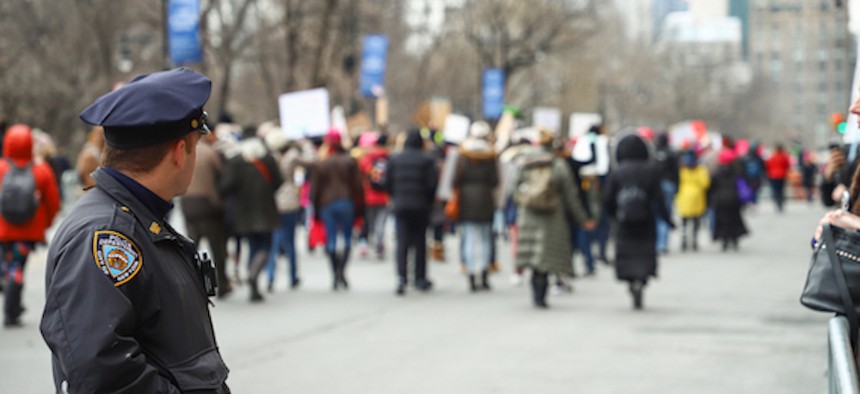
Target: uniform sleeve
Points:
(89, 324)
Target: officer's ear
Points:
(182, 149)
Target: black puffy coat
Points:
(635, 254)
(411, 177)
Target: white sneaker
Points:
(556, 290)
(517, 279)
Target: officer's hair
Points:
(140, 159)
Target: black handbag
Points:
(833, 281)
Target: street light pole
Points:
(165, 41)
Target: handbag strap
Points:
(847, 301)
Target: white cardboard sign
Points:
(548, 118)
(304, 113)
(456, 128)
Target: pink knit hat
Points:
(726, 156)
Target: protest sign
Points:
(548, 118)
(304, 113)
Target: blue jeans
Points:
(582, 239)
(476, 245)
(284, 241)
(669, 189)
(338, 214)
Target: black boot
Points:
(258, 262)
(485, 282)
(472, 286)
(341, 273)
(636, 287)
(540, 283)
(684, 242)
(12, 304)
(335, 269)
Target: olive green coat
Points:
(544, 237)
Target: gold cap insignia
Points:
(194, 123)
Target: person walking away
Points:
(667, 163)
(834, 172)
(777, 171)
(251, 178)
(692, 198)
(632, 194)
(580, 238)
(411, 180)
(126, 298)
(29, 201)
(808, 170)
(754, 170)
(545, 194)
(203, 209)
(373, 165)
(338, 200)
(728, 222)
(291, 158)
(509, 161)
(475, 177)
(90, 157)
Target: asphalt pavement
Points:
(714, 322)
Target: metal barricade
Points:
(841, 365)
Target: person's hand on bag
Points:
(838, 218)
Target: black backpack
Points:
(18, 199)
(632, 205)
(376, 175)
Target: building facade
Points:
(802, 47)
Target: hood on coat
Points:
(414, 140)
(18, 144)
(631, 147)
(252, 149)
(477, 149)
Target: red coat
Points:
(18, 146)
(372, 197)
(777, 165)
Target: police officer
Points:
(127, 305)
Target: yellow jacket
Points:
(692, 197)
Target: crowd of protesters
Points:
(254, 187)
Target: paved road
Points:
(714, 322)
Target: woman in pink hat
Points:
(726, 201)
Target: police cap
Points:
(152, 108)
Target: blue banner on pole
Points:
(372, 75)
(183, 25)
(493, 90)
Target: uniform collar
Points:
(156, 205)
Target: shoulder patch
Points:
(117, 256)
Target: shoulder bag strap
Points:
(847, 301)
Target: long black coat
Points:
(723, 197)
(635, 245)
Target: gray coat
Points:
(544, 237)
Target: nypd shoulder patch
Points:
(117, 256)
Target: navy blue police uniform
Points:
(127, 306)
